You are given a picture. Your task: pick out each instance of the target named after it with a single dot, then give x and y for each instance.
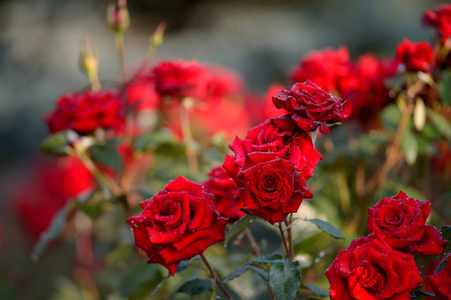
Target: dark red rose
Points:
(225, 190)
(324, 68)
(141, 93)
(440, 19)
(281, 137)
(415, 56)
(177, 224)
(87, 111)
(311, 106)
(180, 79)
(270, 186)
(371, 269)
(440, 282)
(400, 220)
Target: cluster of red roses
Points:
(266, 178)
(381, 265)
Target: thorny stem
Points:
(282, 233)
(188, 137)
(215, 277)
(256, 250)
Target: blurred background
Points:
(261, 39)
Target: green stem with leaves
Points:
(215, 277)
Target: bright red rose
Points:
(415, 56)
(270, 186)
(87, 111)
(324, 68)
(180, 79)
(400, 220)
(281, 137)
(311, 106)
(141, 93)
(225, 190)
(371, 269)
(440, 282)
(440, 19)
(177, 224)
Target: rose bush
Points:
(370, 269)
(400, 220)
(440, 19)
(177, 224)
(415, 56)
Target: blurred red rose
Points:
(281, 137)
(415, 56)
(177, 224)
(180, 79)
(440, 19)
(141, 93)
(87, 111)
(270, 186)
(52, 183)
(400, 220)
(311, 106)
(440, 282)
(371, 269)
(225, 190)
(324, 68)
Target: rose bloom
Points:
(415, 56)
(440, 19)
(180, 79)
(85, 112)
(400, 220)
(371, 269)
(440, 282)
(141, 93)
(225, 190)
(281, 137)
(177, 224)
(270, 186)
(311, 106)
(51, 184)
(324, 68)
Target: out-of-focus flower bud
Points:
(157, 38)
(89, 61)
(117, 15)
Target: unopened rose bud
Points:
(88, 56)
(157, 38)
(117, 16)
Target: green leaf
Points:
(327, 228)
(138, 277)
(238, 226)
(266, 259)
(443, 263)
(446, 231)
(445, 88)
(440, 122)
(196, 286)
(243, 269)
(154, 138)
(390, 116)
(56, 144)
(53, 231)
(409, 146)
(316, 290)
(421, 293)
(184, 265)
(107, 155)
(285, 279)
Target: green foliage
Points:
(285, 279)
(57, 144)
(137, 283)
(440, 123)
(196, 286)
(107, 154)
(238, 226)
(445, 88)
(327, 228)
(446, 231)
(409, 145)
(243, 269)
(316, 290)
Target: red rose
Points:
(270, 186)
(415, 56)
(311, 106)
(177, 224)
(440, 282)
(281, 137)
(180, 79)
(371, 269)
(400, 220)
(440, 19)
(141, 93)
(85, 112)
(225, 190)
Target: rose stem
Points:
(252, 241)
(188, 135)
(378, 179)
(215, 277)
(156, 41)
(242, 244)
(290, 235)
(284, 240)
(121, 56)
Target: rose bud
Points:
(440, 282)
(400, 220)
(440, 19)
(177, 224)
(117, 15)
(312, 107)
(371, 269)
(415, 56)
